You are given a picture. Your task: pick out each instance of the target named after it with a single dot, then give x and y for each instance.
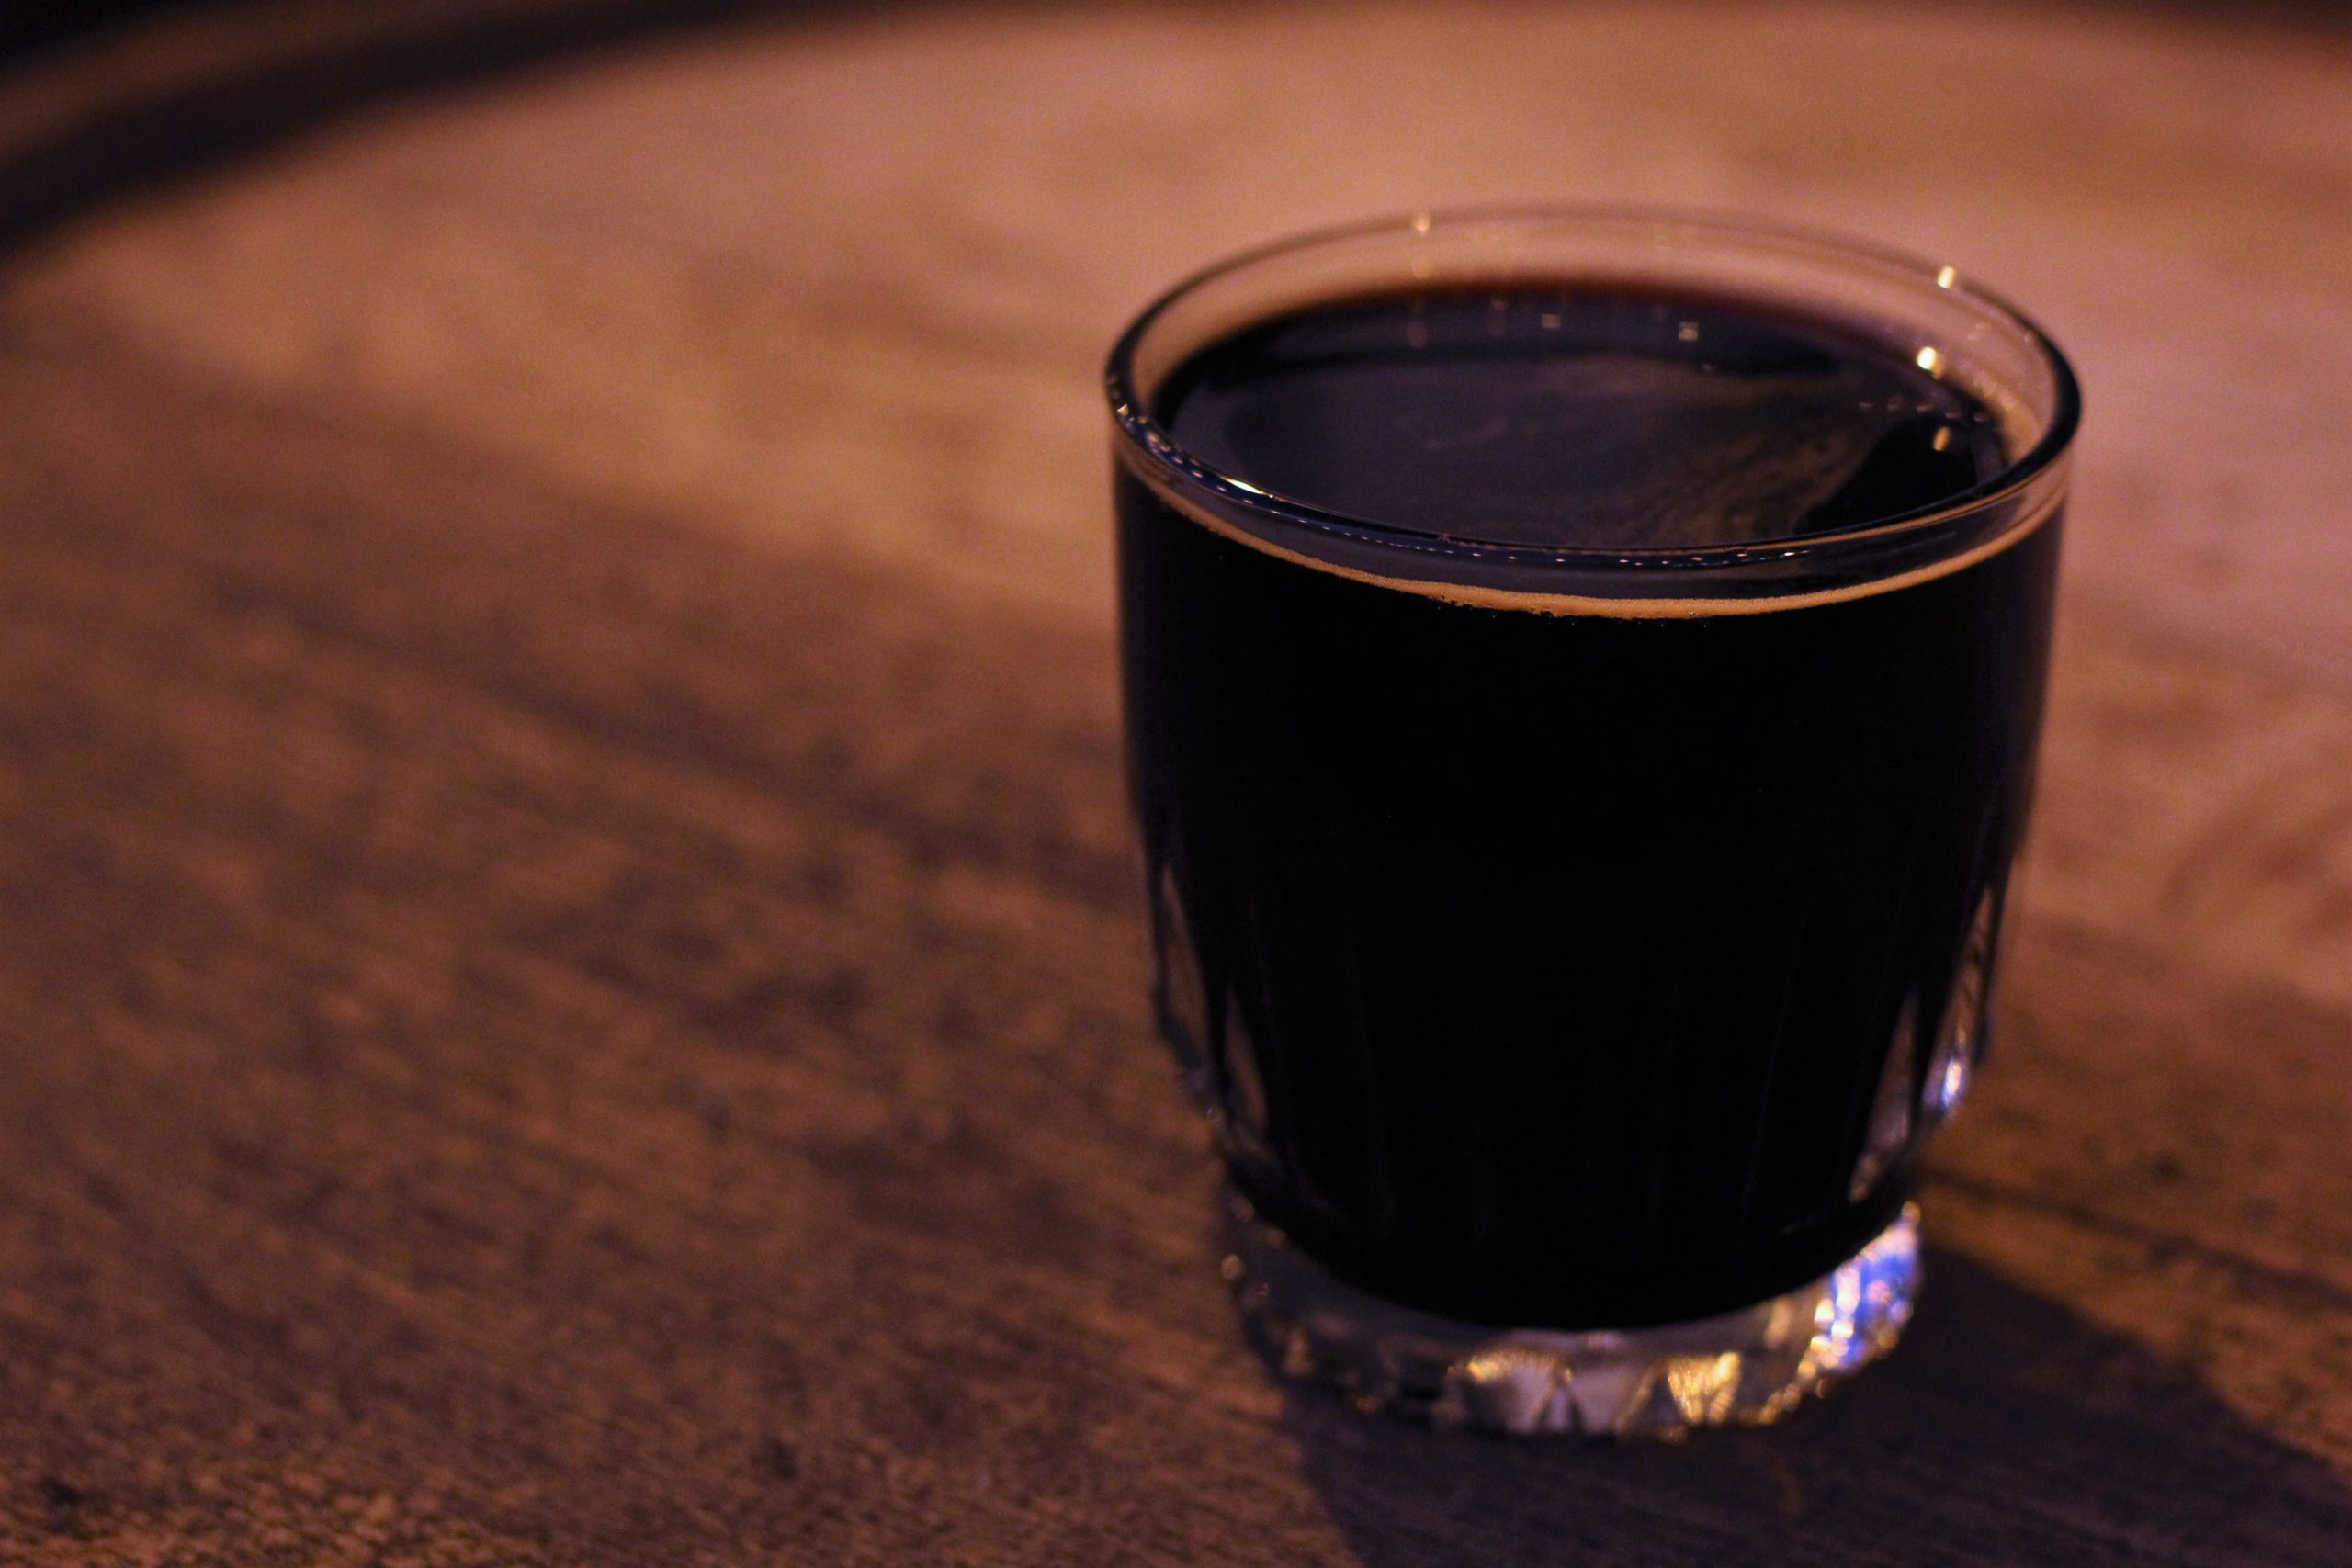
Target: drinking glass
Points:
(1573, 948)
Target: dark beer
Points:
(1561, 960)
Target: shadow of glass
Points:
(2007, 1429)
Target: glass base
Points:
(1747, 1367)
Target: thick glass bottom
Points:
(1747, 1367)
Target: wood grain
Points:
(568, 989)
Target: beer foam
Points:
(1494, 427)
(2037, 511)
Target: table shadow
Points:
(2007, 1429)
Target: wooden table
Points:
(569, 987)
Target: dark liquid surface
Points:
(1552, 416)
(1556, 970)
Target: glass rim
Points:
(1148, 439)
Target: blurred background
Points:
(794, 268)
